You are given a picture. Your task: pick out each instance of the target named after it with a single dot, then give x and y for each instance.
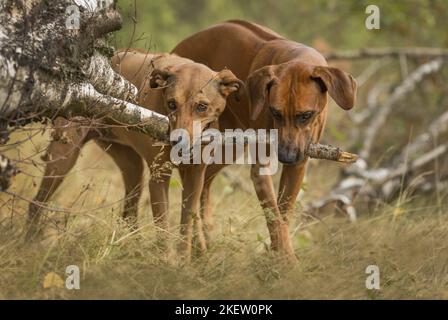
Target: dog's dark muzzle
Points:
(290, 154)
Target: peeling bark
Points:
(52, 66)
(43, 63)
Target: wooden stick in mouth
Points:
(326, 152)
(314, 151)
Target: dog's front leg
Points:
(61, 155)
(290, 183)
(192, 181)
(159, 190)
(278, 228)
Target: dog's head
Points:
(193, 92)
(293, 95)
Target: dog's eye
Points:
(304, 117)
(275, 113)
(172, 105)
(201, 107)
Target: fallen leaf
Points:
(52, 280)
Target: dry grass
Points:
(409, 244)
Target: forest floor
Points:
(407, 240)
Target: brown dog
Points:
(170, 85)
(288, 84)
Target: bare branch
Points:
(368, 53)
(399, 93)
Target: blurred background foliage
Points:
(340, 24)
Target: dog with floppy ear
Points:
(288, 85)
(183, 90)
(340, 86)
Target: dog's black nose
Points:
(285, 159)
(289, 155)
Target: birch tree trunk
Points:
(54, 61)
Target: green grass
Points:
(409, 244)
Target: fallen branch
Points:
(436, 129)
(399, 93)
(384, 183)
(367, 53)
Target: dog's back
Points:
(136, 65)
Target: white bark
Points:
(408, 85)
(50, 70)
(101, 75)
(39, 53)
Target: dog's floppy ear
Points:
(229, 83)
(259, 83)
(340, 85)
(160, 78)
